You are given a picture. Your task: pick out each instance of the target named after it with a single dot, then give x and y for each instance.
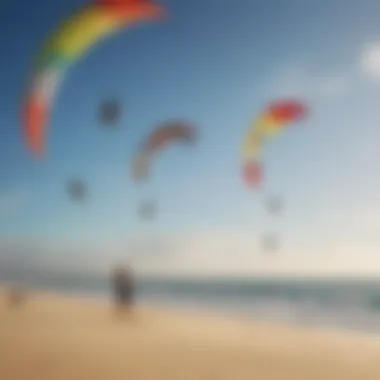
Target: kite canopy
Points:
(277, 117)
(160, 138)
(252, 174)
(70, 42)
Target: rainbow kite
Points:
(68, 43)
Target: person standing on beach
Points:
(16, 297)
(123, 289)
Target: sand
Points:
(62, 338)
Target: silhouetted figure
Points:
(16, 297)
(110, 112)
(77, 190)
(123, 288)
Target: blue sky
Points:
(215, 63)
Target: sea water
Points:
(342, 303)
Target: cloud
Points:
(239, 254)
(356, 225)
(204, 252)
(370, 61)
(298, 80)
(332, 85)
(12, 199)
(351, 248)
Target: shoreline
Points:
(249, 314)
(60, 336)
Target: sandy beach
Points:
(61, 338)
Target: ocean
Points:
(337, 303)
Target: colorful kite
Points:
(71, 41)
(274, 120)
(159, 139)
